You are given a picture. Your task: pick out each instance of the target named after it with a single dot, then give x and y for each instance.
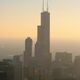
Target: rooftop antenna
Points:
(47, 6)
(43, 6)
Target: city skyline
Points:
(17, 24)
(41, 66)
(36, 60)
(16, 17)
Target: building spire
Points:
(43, 6)
(47, 6)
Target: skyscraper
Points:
(28, 52)
(27, 59)
(42, 46)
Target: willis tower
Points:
(42, 46)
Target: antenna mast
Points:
(43, 6)
(47, 6)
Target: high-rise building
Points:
(6, 70)
(27, 59)
(28, 52)
(17, 68)
(64, 58)
(42, 46)
(77, 67)
(62, 66)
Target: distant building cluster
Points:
(62, 68)
(40, 66)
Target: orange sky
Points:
(20, 19)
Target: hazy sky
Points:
(19, 18)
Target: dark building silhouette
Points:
(63, 58)
(77, 68)
(28, 52)
(42, 46)
(6, 70)
(62, 66)
(27, 70)
(17, 68)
